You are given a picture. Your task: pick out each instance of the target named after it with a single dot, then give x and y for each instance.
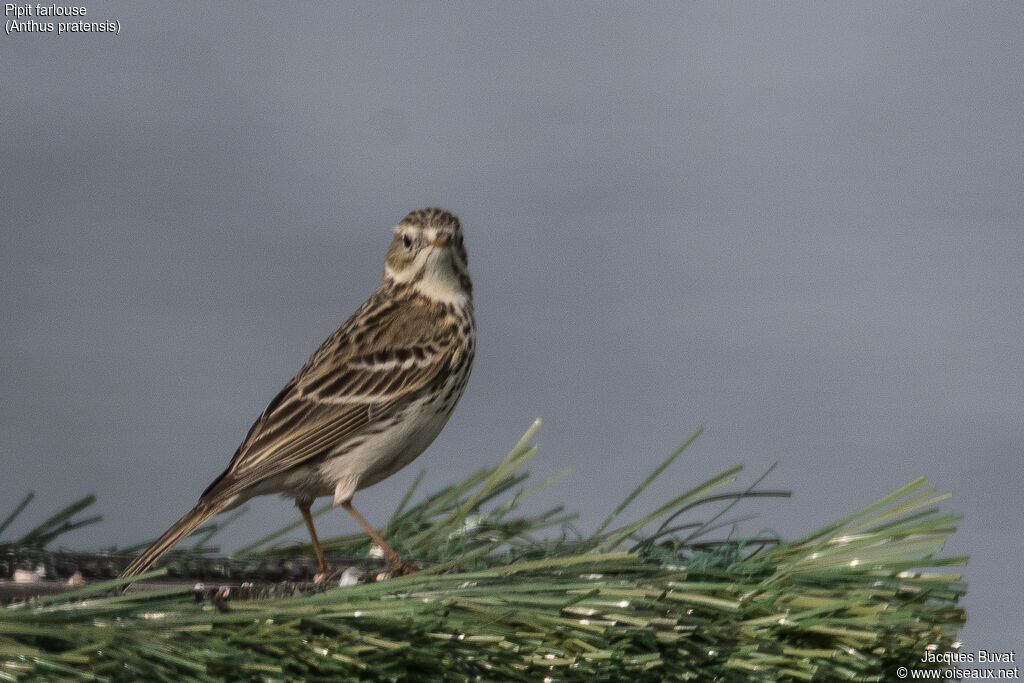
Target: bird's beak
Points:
(442, 239)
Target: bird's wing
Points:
(337, 393)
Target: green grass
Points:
(661, 596)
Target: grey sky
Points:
(799, 225)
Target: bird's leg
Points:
(324, 569)
(398, 566)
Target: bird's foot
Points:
(404, 569)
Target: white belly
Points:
(384, 453)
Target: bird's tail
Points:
(170, 538)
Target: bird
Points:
(369, 400)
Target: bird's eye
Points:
(407, 241)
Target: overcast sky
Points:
(798, 225)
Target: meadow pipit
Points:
(369, 400)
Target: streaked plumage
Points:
(370, 399)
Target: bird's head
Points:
(428, 253)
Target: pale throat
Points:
(436, 280)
